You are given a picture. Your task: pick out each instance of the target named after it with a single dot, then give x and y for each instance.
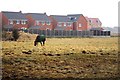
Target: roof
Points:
(98, 28)
(39, 16)
(74, 17)
(68, 18)
(8, 26)
(35, 27)
(94, 20)
(60, 28)
(60, 18)
(14, 15)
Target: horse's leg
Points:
(43, 43)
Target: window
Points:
(69, 24)
(48, 29)
(80, 25)
(64, 24)
(23, 22)
(75, 18)
(48, 23)
(97, 21)
(43, 23)
(37, 22)
(18, 22)
(59, 24)
(11, 22)
(90, 21)
(72, 18)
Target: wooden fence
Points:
(62, 33)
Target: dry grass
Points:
(61, 58)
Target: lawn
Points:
(61, 58)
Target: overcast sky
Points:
(105, 10)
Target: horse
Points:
(40, 38)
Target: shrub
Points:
(15, 34)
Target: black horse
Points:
(41, 39)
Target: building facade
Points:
(93, 23)
(61, 22)
(79, 22)
(12, 20)
(39, 21)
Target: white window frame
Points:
(65, 24)
(75, 18)
(80, 25)
(23, 22)
(37, 22)
(48, 23)
(17, 21)
(59, 24)
(10, 21)
(69, 24)
(43, 22)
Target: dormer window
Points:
(18, 22)
(11, 22)
(69, 17)
(72, 18)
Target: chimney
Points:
(20, 11)
(45, 13)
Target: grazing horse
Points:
(41, 39)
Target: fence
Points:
(62, 33)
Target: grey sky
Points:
(105, 10)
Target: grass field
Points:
(61, 58)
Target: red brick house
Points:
(79, 22)
(93, 23)
(12, 20)
(0, 20)
(61, 22)
(39, 21)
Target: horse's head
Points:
(35, 43)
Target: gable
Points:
(94, 20)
